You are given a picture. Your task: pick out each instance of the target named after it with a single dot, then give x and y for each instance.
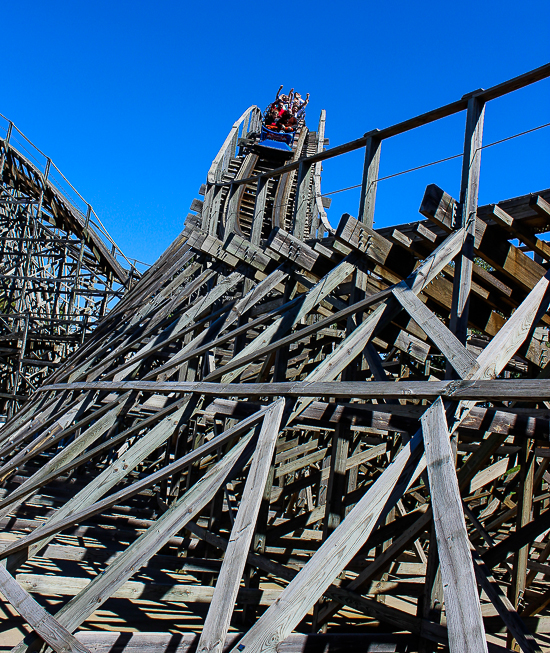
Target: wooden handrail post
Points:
(467, 215)
(370, 177)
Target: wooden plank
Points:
(321, 203)
(210, 336)
(246, 252)
(370, 180)
(464, 622)
(383, 560)
(48, 628)
(223, 285)
(236, 192)
(68, 453)
(440, 207)
(489, 474)
(282, 325)
(471, 162)
(540, 205)
(106, 642)
(259, 210)
(83, 512)
(514, 227)
(483, 390)
(449, 345)
(219, 614)
(504, 345)
(136, 555)
(111, 475)
(363, 239)
(301, 203)
(292, 248)
(308, 586)
(161, 592)
(504, 607)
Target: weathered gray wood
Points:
(471, 162)
(125, 565)
(83, 512)
(454, 351)
(465, 625)
(77, 446)
(219, 614)
(165, 592)
(105, 642)
(504, 607)
(111, 475)
(382, 561)
(292, 248)
(504, 345)
(224, 285)
(308, 586)
(319, 205)
(370, 180)
(210, 335)
(259, 210)
(235, 197)
(301, 203)
(482, 390)
(286, 322)
(363, 239)
(53, 633)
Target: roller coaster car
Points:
(278, 143)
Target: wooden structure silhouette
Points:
(58, 276)
(285, 429)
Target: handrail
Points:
(231, 137)
(46, 178)
(317, 176)
(491, 93)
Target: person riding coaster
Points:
(280, 122)
(286, 112)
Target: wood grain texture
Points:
(465, 625)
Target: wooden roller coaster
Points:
(57, 276)
(288, 437)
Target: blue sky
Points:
(132, 100)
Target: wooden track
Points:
(282, 430)
(57, 274)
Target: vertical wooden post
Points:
(467, 209)
(301, 200)
(525, 506)
(370, 176)
(73, 296)
(6, 148)
(464, 621)
(336, 490)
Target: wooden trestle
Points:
(58, 277)
(284, 429)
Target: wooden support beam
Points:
(137, 554)
(370, 180)
(467, 209)
(46, 626)
(465, 625)
(218, 618)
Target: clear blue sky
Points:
(132, 100)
